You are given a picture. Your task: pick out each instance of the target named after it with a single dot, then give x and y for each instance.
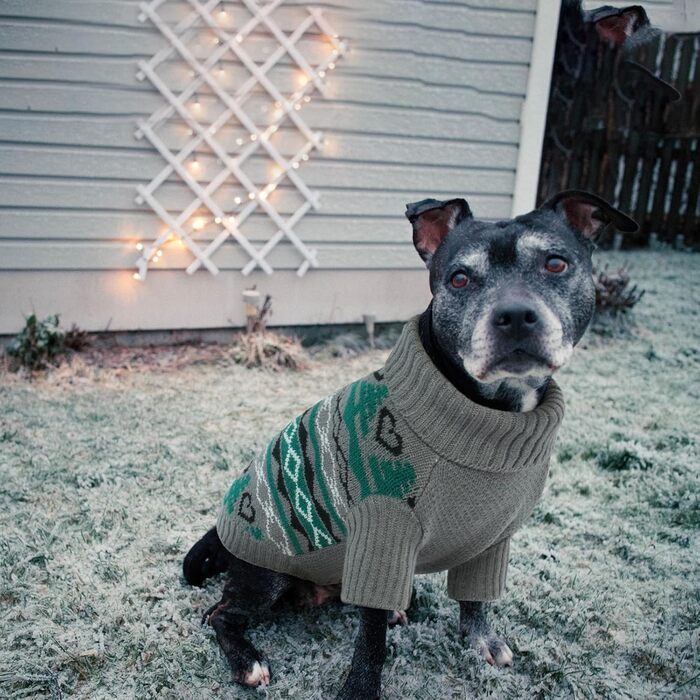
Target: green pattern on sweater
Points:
(338, 452)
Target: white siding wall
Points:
(427, 103)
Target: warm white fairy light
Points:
(237, 200)
(139, 246)
(239, 142)
(137, 276)
(217, 220)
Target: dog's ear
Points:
(588, 214)
(617, 26)
(432, 220)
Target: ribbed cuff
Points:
(380, 558)
(482, 578)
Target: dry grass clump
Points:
(269, 350)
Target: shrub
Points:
(42, 343)
(613, 293)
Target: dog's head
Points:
(511, 298)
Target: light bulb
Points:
(139, 246)
(295, 165)
(331, 66)
(253, 137)
(136, 276)
(217, 220)
(251, 195)
(239, 142)
(237, 200)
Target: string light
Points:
(281, 107)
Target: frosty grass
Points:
(108, 476)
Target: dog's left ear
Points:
(432, 220)
(588, 214)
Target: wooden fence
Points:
(626, 125)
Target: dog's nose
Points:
(515, 318)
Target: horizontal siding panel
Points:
(323, 115)
(370, 89)
(85, 194)
(79, 224)
(107, 131)
(317, 172)
(113, 256)
(144, 41)
(346, 17)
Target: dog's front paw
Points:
(257, 673)
(397, 617)
(491, 648)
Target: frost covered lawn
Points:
(108, 476)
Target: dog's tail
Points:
(207, 557)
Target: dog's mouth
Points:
(521, 362)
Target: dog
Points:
(510, 301)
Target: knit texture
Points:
(396, 473)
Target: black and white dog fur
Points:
(510, 300)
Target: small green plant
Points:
(42, 343)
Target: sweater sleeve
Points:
(381, 551)
(481, 578)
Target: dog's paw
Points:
(491, 649)
(397, 617)
(258, 673)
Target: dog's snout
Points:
(515, 318)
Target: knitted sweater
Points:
(395, 474)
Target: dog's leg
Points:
(474, 627)
(364, 680)
(400, 617)
(249, 589)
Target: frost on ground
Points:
(107, 476)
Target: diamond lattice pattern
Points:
(231, 130)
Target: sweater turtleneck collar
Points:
(456, 427)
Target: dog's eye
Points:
(459, 280)
(555, 264)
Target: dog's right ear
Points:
(432, 220)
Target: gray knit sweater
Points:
(395, 474)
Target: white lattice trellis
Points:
(185, 107)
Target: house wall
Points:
(427, 103)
